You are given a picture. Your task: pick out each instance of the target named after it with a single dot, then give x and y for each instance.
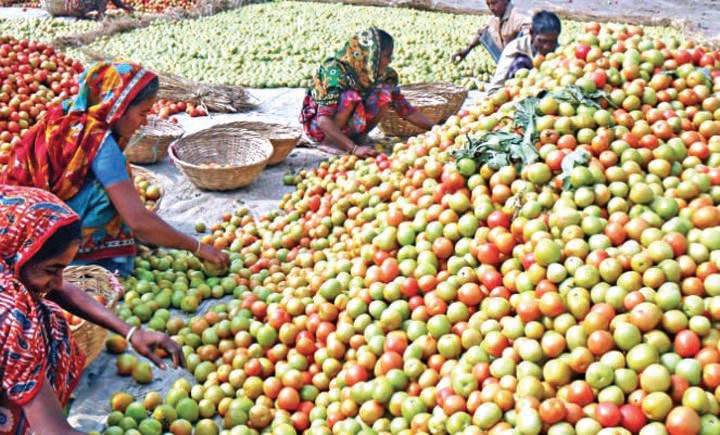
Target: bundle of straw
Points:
(109, 27)
(215, 98)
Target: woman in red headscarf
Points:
(75, 152)
(40, 363)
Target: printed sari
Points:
(352, 78)
(57, 154)
(36, 340)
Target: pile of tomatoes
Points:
(422, 292)
(159, 6)
(33, 75)
(164, 109)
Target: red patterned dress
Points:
(36, 339)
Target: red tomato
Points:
(488, 253)
(580, 392)
(410, 287)
(632, 418)
(683, 421)
(607, 414)
(498, 219)
(600, 78)
(581, 51)
(492, 279)
(687, 343)
(354, 374)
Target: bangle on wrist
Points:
(197, 250)
(130, 333)
(354, 148)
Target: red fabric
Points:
(36, 339)
(56, 154)
(366, 109)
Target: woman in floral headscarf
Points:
(75, 152)
(352, 92)
(40, 363)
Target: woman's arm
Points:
(77, 302)
(420, 120)
(151, 228)
(45, 415)
(334, 134)
(332, 127)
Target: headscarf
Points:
(33, 338)
(354, 67)
(57, 152)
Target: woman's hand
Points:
(365, 151)
(145, 343)
(420, 120)
(213, 255)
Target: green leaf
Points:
(579, 157)
(577, 96)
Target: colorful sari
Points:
(36, 339)
(57, 153)
(352, 78)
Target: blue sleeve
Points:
(109, 165)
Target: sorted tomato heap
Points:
(33, 76)
(158, 6)
(166, 108)
(471, 284)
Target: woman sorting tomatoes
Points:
(75, 152)
(80, 8)
(41, 364)
(352, 92)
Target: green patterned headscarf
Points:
(355, 67)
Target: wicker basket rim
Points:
(418, 98)
(440, 86)
(266, 145)
(273, 129)
(159, 127)
(138, 170)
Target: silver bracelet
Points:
(130, 333)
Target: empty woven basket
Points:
(150, 143)
(454, 94)
(432, 106)
(240, 154)
(282, 137)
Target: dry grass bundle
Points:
(109, 27)
(215, 98)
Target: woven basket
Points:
(137, 171)
(96, 281)
(245, 152)
(61, 8)
(434, 107)
(151, 142)
(282, 137)
(454, 94)
(55, 7)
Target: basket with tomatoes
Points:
(107, 290)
